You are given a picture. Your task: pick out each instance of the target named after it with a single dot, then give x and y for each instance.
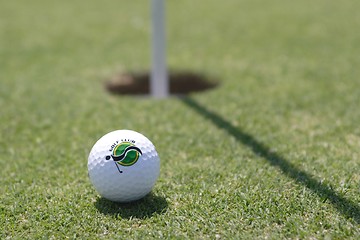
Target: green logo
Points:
(125, 154)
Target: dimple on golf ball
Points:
(123, 166)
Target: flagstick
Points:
(159, 84)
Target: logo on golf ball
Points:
(125, 154)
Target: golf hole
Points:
(180, 83)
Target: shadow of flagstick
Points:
(345, 206)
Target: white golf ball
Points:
(123, 166)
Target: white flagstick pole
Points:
(159, 84)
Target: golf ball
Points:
(123, 166)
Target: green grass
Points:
(273, 152)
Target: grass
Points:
(273, 152)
